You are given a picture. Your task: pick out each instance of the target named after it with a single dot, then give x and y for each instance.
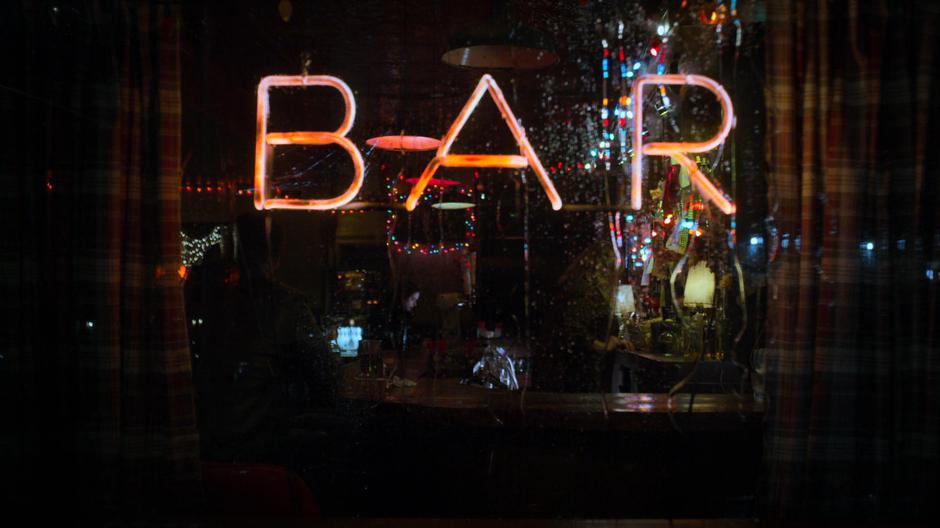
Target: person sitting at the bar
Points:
(413, 332)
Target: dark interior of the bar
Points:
(489, 263)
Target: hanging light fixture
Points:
(500, 44)
(434, 182)
(453, 206)
(285, 9)
(404, 143)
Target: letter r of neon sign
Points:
(265, 142)
(678, 150)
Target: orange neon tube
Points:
(445, 159)
(678, 150)
(485, 161)
(265, 142)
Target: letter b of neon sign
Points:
(265, 142)
(678, 150)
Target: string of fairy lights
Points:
(398, 191)
(194, 248)
(621, 62)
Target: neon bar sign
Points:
(265, 142)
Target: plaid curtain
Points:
(95, 372)
(853, 355)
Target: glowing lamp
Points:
(625, 303)
(699, 286)
(266, 141)
(678, 150)
(445, 159)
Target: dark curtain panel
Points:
(853, 353)
(95, 373)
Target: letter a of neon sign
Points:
(445, 159)
(678, 150)
(265, 142)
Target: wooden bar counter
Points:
(447, 400)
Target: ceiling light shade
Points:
(453, 206)
(404, 143)
(439, 182)
(501, 47)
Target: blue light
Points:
(660, 69)
(629, 218)
(869, 246)
(636, 65)
(755, 240)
